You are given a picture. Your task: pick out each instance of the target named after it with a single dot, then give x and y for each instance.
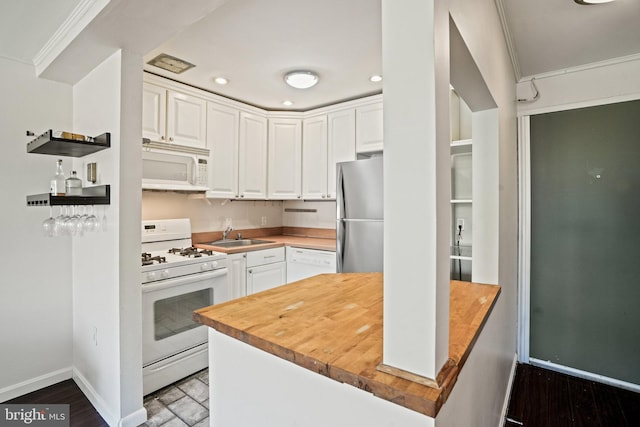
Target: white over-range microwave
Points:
(174, 168)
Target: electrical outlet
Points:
(264, 220)
(94, 337)
(460, 223)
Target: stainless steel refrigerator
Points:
(359, 228)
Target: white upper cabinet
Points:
(314, 158)
(223, 143)
(186, 119)
(369, 135)
(154, 112)
(173, 117)
(252, 157)
(285, 158)
(341, 144)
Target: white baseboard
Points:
(33, 384)
(585, 375)
(96, 400)
(507, 396)
(133, 419)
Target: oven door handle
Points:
(180, 281)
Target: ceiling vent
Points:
(170, 63)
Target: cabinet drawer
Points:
(265, 256)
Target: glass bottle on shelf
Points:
(73, 185)
(58, 181)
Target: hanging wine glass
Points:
(90, 222)
(48, 226)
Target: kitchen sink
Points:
(237, 243)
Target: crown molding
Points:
(77, 21)
(578, 68)
(508, 37)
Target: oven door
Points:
(167, 309)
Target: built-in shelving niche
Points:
(49, 144)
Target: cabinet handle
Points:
(242, 195)
(269, 256)
(250, 271)
(298, 196)
(170, 138)
(162, 137)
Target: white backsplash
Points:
(211, 214)
(324, 217)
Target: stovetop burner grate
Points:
(190, 252)
(147, 259)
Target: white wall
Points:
(581, 87)
(478, 396)
(244, 381)
(210, 214)
(323, 217)
(35, 303)
(106, 287)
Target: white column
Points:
(415, 36)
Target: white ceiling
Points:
(254, 42)
(27, 25)
(552, 35)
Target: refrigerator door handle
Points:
(340, 238)
(340, 199)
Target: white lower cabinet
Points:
(266, 269)
(238, 275)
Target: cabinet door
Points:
(154, 111)
(222, 141)
(238, 275)
(186, 119)
(252, 152)
(285, 159)
(369, 128)
(314, 158)
(266, 277)
(341, 144)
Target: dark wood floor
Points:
(82, 413)
(542, 398)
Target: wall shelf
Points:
(49, 144)
(98, 195)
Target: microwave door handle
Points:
(194, 171)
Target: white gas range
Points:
(176, 280)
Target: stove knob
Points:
(164, 274)
(151, 276)
(214, 264)
(206, 266)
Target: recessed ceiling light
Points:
(221, 80)
(588, 2)
(301, 79)
(171, 63)
(287, 103)
(376, 78)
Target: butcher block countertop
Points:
(308, 238)
(332, 324)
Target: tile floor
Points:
(185, 403)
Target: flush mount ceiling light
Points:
(221, 80)
(287, 103)
(375, 78)
(171, 63)
(588, 2)
(301, 79)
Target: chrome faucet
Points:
(226, 232)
